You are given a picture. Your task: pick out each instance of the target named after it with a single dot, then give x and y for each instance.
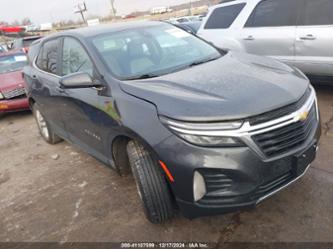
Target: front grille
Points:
(278, 113)
(287, 138)
(271, 186)
(18, 92)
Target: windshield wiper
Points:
(143, 76)
(195, 63)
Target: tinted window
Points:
(75, 58)
(318, 12)
(48, 56)
(272, 13)
(33, 52)
(222, 18)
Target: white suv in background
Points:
(297, 32)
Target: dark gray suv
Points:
(202, 130)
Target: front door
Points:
(85, 117)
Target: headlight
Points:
(204, 134)
(1, 96)
(211, 141)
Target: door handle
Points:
(249, 38)
(308, 37)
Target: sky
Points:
(44, 11)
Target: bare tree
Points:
(26, 21)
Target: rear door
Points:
(314, 38)
(44, 78)
(270, 29)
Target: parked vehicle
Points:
(207, 130)
(24, 43)
(191, 27)
(12, 86)
(185, 19)
(3, 48)
(297, 32)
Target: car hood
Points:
(236, 86)
(11, 80)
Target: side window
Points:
(48, 57)
(318, 12)
(222, 18)
(273, 13)
(75, 58)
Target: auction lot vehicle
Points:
(191, 27)
(24, 43)
(12, 86)
(297, 32)
(202, 129)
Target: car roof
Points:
(30, 37)
(107, 28)
(232, 2)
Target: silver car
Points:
(297, 32)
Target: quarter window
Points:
(318, 12)
(222, 18)
(274, 13)
(48, 57)
(75, 58)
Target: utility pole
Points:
(113, 9)
(190, 9)
(80, 9)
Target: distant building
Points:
(160, 10)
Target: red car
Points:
(12, 86)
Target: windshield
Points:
(152, 51)
(11, 63)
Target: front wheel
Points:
(44, 128)
(152, 186)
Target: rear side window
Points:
(222, 18)
(48, 57)
(274, 13)
(318, 12)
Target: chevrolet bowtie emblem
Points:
(303, 116)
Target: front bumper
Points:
(236, 178)
(14, 105)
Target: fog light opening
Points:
(199, 186)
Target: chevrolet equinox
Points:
(202, 130)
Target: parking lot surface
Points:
(59, 193)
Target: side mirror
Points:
(79, 80)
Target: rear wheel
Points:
(44, 128)
(151, 183)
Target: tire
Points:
(151, 183)
(44, 128)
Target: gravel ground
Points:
(58, 193)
